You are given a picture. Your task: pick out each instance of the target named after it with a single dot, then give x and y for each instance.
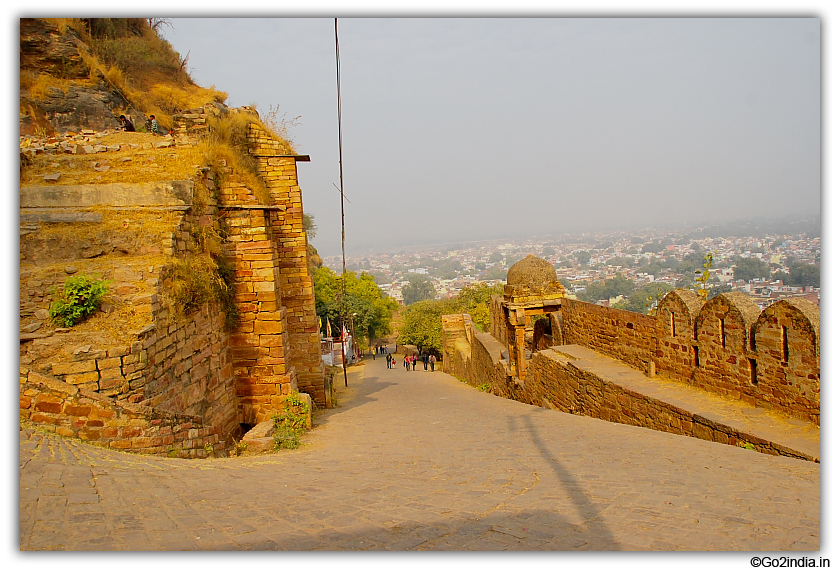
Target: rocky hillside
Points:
(84, 73)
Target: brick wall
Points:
(555, 383)
(627, 336)
(727, 345)
(476, 358)
(71, 411)
(456, 346)
(192, 366)
(676, 319)
(188, 369)
(296, 287)
(723, 338)
(787, 354)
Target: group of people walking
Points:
(410, 361)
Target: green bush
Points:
(80, 298)
(291, 423)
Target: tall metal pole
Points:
(342, 306)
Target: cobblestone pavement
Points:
(419, 461)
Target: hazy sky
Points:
(459, 129)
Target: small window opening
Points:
(696, 356)
(673, 325)
(785, 346)
(722, 333)
(753, 372)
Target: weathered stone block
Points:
(59, 369)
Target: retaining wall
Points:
(71, 411)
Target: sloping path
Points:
(418, 460)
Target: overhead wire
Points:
(342, 303)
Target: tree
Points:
(422, 324)
(701, 277)
(157, 24)
(446, 268)
(749, 268)
(643, 299)
(781, 276)
(475, 300)
(418, 288)
(312, 258)
(583, 257)
(495, 257)
(595, 291)
(620, 261)
(495, 272)
(805, 275)
(653, 247)
(652, 267)
(370, 308)
(718, 289)
(309, 226)
(618, 285)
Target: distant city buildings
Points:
(643, 257)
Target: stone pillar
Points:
(296, 288)
(260, 343)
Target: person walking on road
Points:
(432, 361)
(425, 361)
(407, 361)
(414, 362)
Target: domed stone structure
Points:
(531, 271)
(532, 289)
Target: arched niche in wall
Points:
(676, 316)
(724, 327)
(787, 357)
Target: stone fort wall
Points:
(176, 371)
(768, 359)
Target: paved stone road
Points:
(417, 460)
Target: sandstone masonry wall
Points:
(476, 358)
(727, 345)
(71, 411)
(554, 382)
(296, 287)
(627, 336)
(180, 374)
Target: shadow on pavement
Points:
(526, 530)
(587, 510)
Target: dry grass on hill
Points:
(130, 56)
